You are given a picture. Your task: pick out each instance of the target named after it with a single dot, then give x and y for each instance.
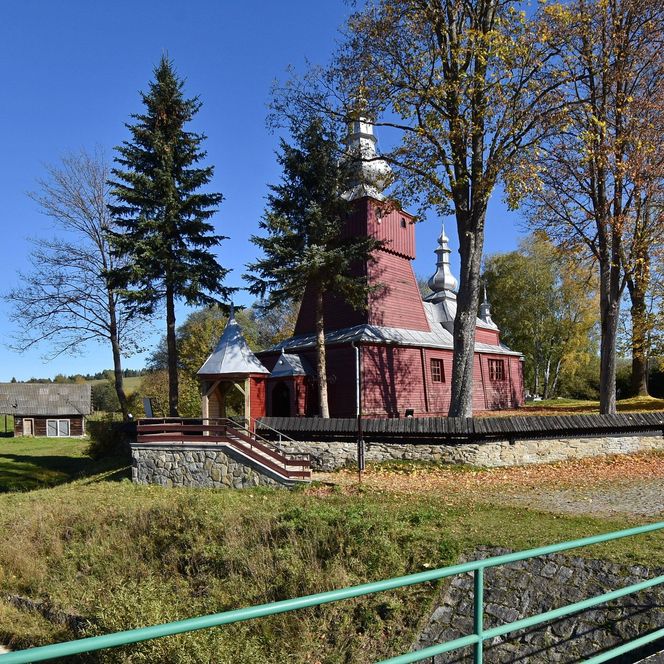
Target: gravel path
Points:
(644, 498)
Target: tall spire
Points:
(485, 310)
(443, 283)
(371, 173)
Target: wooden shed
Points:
(46, 409)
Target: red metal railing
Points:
(177, 431)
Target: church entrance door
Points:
(281, 400)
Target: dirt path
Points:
(628, 484)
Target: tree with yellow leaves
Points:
(596, 172)
(545, 301)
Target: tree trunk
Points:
(609, 304)
(117, 357)
(637, 286)
(471, 238)
(320, 355)
(172, 353)
(639, 342)
(556, 377)
(547, 378)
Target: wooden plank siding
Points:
(392, 381)
(397, 301)
(257, 396)
(76, 424)
(484, 336)
(396, 229)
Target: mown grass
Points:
(6, 424)
(28, 463)
(553, 406)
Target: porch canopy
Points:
(233, 378)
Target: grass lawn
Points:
(128, 555)
(578, 407)
(30, 463)
(6, 424)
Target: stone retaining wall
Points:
(331, 455)
(198, 466)
(529, 587)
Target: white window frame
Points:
(57, 427)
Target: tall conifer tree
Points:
(163, 217)
(305, 246)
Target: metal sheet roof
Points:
(45, 399)
(438, 337)
(232, 355)
(291, 365)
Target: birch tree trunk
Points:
(320, 355)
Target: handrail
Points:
(476, 639)
(265, 441)
(281, 434)
(278, 455)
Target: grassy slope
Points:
(131, 383)
(133, 555)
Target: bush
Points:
(656, 381)
(155, 386)
(624, 380)
(583, 383)
(110, 437)
(105, 398)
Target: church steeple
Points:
(371, 173)
(485, 311)
(443, 283)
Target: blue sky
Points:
(71, 72)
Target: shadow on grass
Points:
(20, 472)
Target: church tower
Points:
(396, 302)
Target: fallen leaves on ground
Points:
(453, 481)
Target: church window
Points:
(437, 373)
(403, 223)
(496, 370)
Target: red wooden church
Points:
(393, 359)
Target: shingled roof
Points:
(45, 399)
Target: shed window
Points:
(496, 370)
(437, 373)
(55, 428)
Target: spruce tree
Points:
(163, 217)
(305, 246)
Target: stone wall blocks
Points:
(195, 468)
(331, 455)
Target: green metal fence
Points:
(476, 639)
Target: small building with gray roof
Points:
(46, 409)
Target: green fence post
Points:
(478, 613)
